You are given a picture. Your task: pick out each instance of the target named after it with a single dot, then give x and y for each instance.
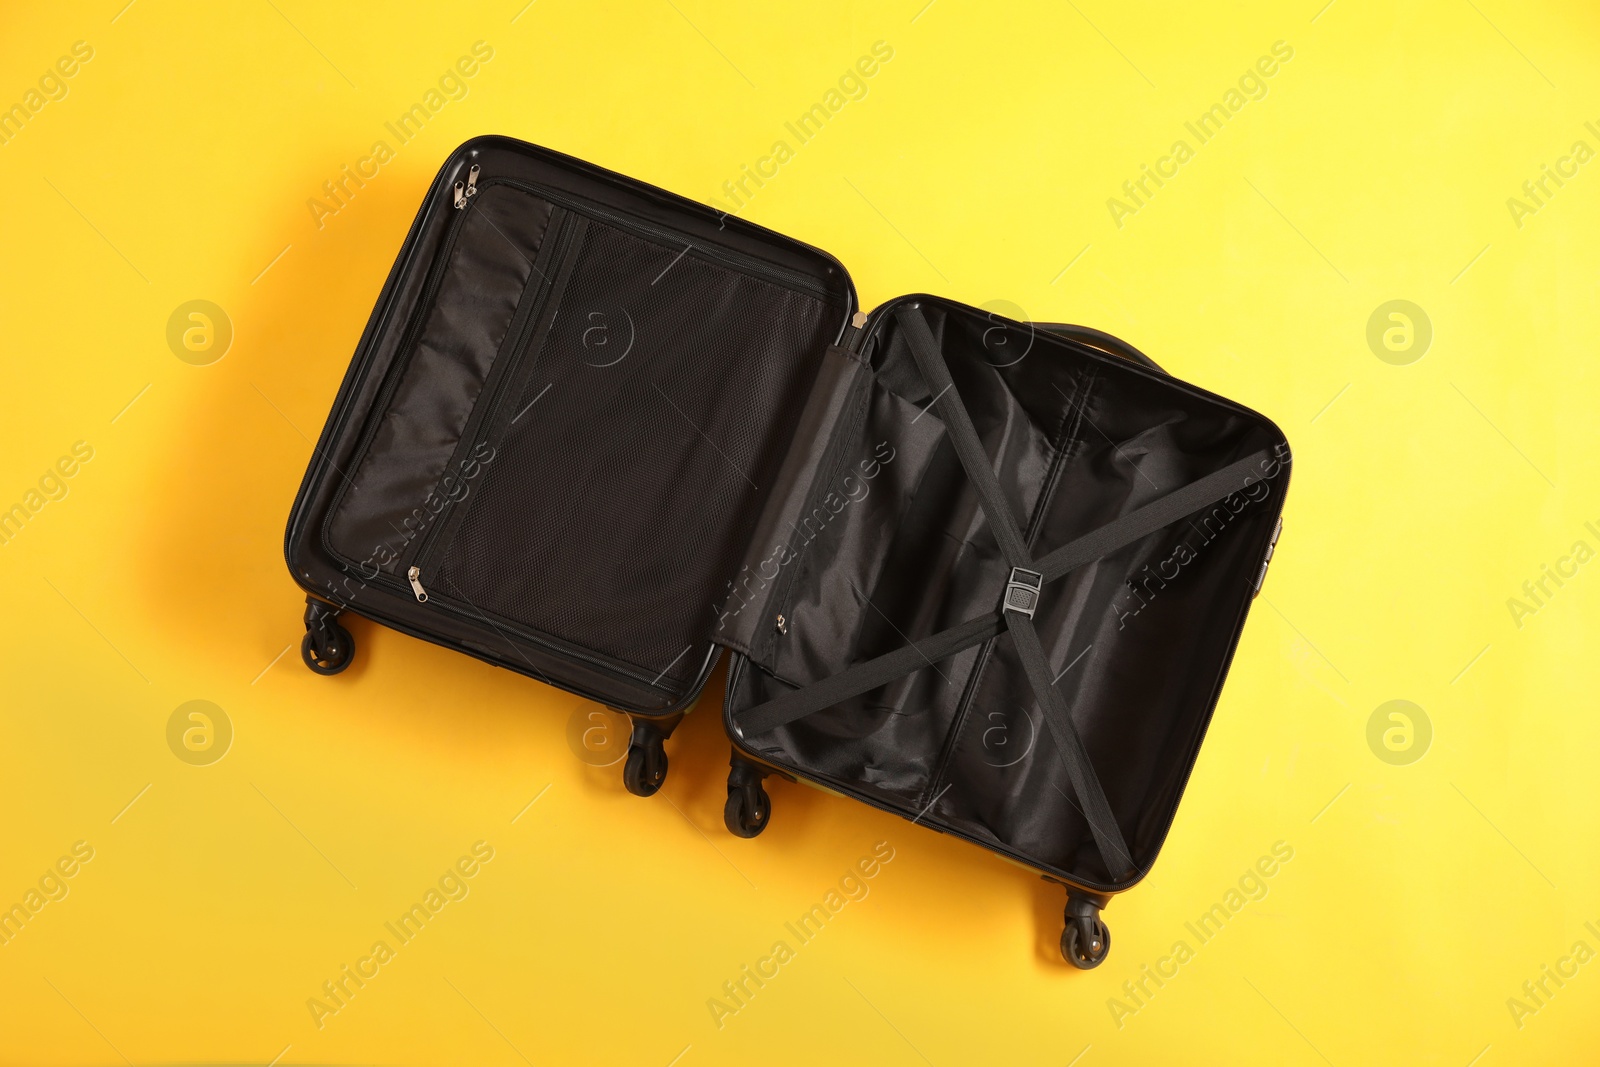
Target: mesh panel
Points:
(629, 472)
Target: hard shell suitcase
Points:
(983, 574)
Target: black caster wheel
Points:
(328, 648)
(748, 807)
(646, 767)
(1085, 942)
(747, 810)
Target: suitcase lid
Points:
(563, 422)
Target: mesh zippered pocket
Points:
(402, 480)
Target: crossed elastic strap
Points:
(1023, 591)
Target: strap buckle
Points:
(1022, 591)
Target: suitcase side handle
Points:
(1101, 342)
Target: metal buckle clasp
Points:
(1022, 591)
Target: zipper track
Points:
(403, 356)
(484, 415)
(470, 613)
(340, 413)
(738, 261)
(402, 361)
(735, 261)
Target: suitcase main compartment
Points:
(561, 424)
(883, 542)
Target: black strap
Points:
(964, 436)
(1069, 746)
(1156, 515)
(980, 470)
(881, 670)
(867, 676)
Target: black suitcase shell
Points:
(587, 547)
(595, 432)
(1080, 430)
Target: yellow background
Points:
(1377, 167)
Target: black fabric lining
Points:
(1077, 406)
(552, 271)
(936, 534)
(549, 269)
(749, 613)
(450, 350)
(919, 748)
(857, 407)
(643, 472)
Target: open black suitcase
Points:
(984, 574)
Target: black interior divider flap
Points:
(747, 620)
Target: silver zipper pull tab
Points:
(415, 574)
(461, 196)
(472, 181)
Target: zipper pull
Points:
(466, 191)
(415, 574)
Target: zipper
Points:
(414, 575)
(341, 413)
(463, 193)
(507, 628)
(466, 192)
(413, 578)
(486, 411)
